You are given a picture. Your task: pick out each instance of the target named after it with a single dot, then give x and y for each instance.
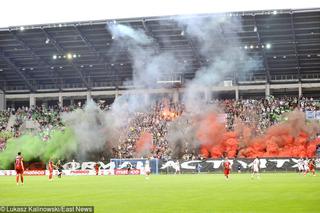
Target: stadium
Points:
(203, 111)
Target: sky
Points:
(32, 12)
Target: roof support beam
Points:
(62, 52)
(17, 70)
(53, 77)
(101, 57)
(265, 61)
(149, 33)
(89, 44)
(295, 46)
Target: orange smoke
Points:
(287, 139)
(144, 143)
(214, 138)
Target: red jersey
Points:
(311, 165)
(50, 166)
(19, 164)
(97, 166)
(226, 165)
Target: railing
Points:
(310, 76)
(252, 78)
(286, 77)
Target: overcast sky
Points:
(29, 12)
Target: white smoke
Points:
(219, 45)
(217, 38)
(218, 41)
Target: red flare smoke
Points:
(288, 139)
(144, 143)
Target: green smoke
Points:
(60, 145)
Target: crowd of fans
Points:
(4, 118)
(259, 114)
(154, 122)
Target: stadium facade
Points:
(67, 62)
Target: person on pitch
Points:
(50, 168)
(96, 167)
(227, 168)
(18, 166)
(255, 168)
(147, 169)
(59, 167)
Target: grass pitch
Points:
(283, 192)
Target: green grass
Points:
(283, 192)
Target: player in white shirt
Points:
(255, 168)
(73, 165)
(147, 169)
(301, 165)
(306, 165)
(177, 167)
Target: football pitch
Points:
(281, 192)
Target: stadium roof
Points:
(38, 57)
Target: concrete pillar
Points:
(300, 90)
(89, 96)
(207, 95)
(2, 101)
(71, 101)
(116, 94)
(60, 100)
(175, 96)
(32, 100)
(267, 90)
(237, 93)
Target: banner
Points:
(55, 172)
(239, 164)
(127, 172)
(26, 172)
(34, 172)
(138, 164)
(310, 115)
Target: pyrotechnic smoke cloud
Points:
(217, 38)
(219, 45)
(59, 146)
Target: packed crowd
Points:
(259, 114)
(4, 118)
(154, 122)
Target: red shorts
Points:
(19, 171)
(311, 168)
(50, 171)
(226, 171)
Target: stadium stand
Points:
(49, 69)
(258, 114)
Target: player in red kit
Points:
(18, 166)
(312, 165)
(96, 167)
(50, 168)
(227, 167)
